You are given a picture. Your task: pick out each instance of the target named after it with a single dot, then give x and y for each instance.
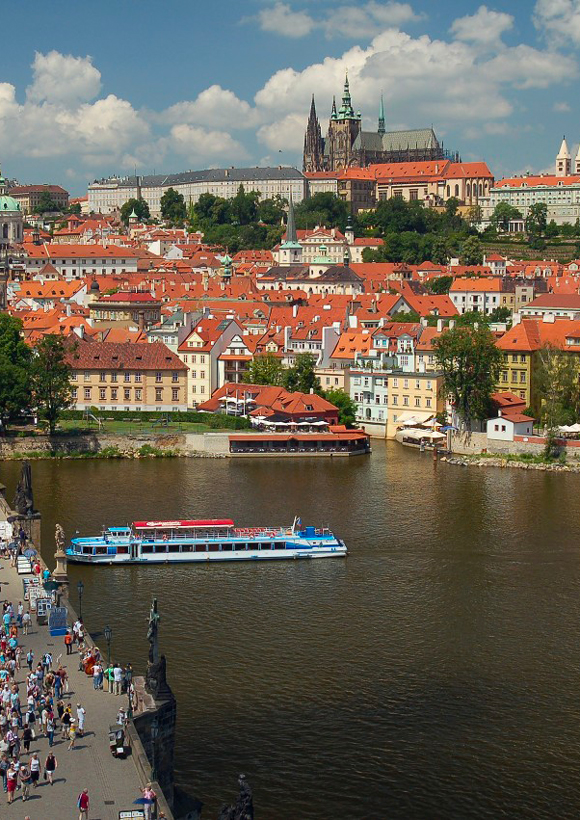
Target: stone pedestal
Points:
(154, 720)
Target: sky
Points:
(88, 90)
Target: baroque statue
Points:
(23, 498)
(243, 809)
(156, 678)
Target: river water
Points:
(432, 674)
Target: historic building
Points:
(347, 145)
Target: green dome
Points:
(8, 203)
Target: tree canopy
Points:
(322, 209)
(346, 406)
(140, 207)
(46, 204)
(50, 379)
(265, 369)
(237, 223)
(471, 363)
(14, 369)
(173, 206)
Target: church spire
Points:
(313, 142)
(291, 224)
(333, 112)
(381, 128)
(346, 110)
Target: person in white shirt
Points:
(117, 679)
(81, 714)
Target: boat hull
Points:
(339, 551)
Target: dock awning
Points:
(410, 418)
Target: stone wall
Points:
(189, 444)
(474, 443)
(154, 721)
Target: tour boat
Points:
(167, 542)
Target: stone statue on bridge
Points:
(23, 498)
(156, 678)
(244, 805)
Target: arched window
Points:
(468, 189)
(448, 190)
(480, 189)
(457, 190)
(5, 231)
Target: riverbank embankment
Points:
(502, 461)
(111, 445)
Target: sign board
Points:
(58, 620)
(43, 607)
(34, 593)
(136, 814)
(6, 530)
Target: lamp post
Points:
(108, 632)
(80, 590)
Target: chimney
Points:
(440, 324)
(141, 324)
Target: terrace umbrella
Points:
(29, 553)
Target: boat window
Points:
(122, 550)
(87, 550)
(214, 547)
(101, 551)
(265, 546)
(147, 548)
(200, 547)
(187, 548)
(227, 547)
(173, 548)
(160, 548)
(279, 545)
(241, 547)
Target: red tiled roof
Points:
(124, 356)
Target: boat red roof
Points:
(174, 525)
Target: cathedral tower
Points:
(563, 160)
(343, 129)
(313, 157)
(381, 128)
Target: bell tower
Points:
(313, 157)
(343, 129)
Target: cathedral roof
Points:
(422, 138)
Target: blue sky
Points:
(87, 90)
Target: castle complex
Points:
(347, 145)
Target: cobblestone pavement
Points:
(113, 783)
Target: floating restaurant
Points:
(337, 441)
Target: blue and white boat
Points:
(167, 542)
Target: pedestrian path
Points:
(113, 783)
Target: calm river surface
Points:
(433, 674)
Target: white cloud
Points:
(485, 27)
(61, 78)
(561, 107)
(281, 19)
(354, 22)
(286, 134)
(558, 20)
(200, 145)
(215, 107)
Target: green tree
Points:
(75, 209)
(173, 206)
(50, 379)
(244, 207)
(471, 252)
(440, 284)
(322, 209)
(552, 230)
(272, 211)
(503, 214)
(265, 369)
(536, 219)
(474, 215)
(14, 369)
(46, 204)
(500, 314)
(471, 364)
(406, 317)
(440, 252)
(140, 207)
(301, 376)
(346, 406)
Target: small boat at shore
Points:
(167, 542)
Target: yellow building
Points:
(413, 396)
(127, 376)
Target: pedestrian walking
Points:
(97, 676)
(81, 715)
(25, 781)
(50, 766)
(83, 805)
(26, 622)
(72, 733)
(65, 720)
(68, 642)
(149, 798)
(35, 770)
(50, 726)
(30, 659)
(27, 737)
(4, 766)
(12, 778)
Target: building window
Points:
(87, 393)
(113, 394)
(405, 383)
(74, 392)
(113, 377)
(417, 402)
(427, 402)
(158, 376)
(158, 394)
(102, 377)
(73, 377)
(138, 394)
(406, 401)
(102, 394)
(395, 382)
(127, 393)
(175, 377)
(202, 374)
(87, 377)
(175, 394)
(137, 377)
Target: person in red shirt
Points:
(83, 804)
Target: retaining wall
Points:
(189, 444)
(474, 443)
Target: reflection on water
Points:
(433, 674)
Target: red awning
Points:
(176, 525)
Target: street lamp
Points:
(80, 590)
(108, 632)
